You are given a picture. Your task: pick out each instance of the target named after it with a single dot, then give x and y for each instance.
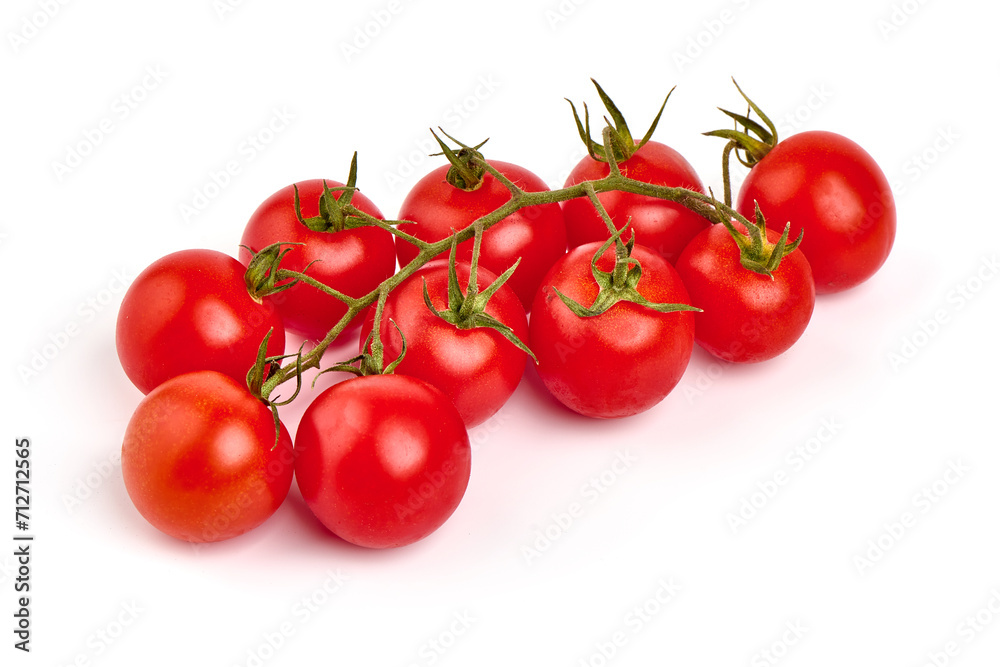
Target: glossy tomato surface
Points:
(535, 234)
(661, 225)
(199, 458)
(829, 186)
(746, 316)
(477, 368)
(383, 460)
(623, 361)
(352, 261)
(191, 311)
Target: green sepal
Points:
(333, 215)
(370, 361)
(255, 376)
(623, 145)
(467, 310)
(263, 367)
(619, 284)
(751, 125)
(757, 254)
(261, 277)
(753, 147)
(466, 171)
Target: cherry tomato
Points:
(352, 261)
(477, 368)
(746, 316)
(191, 311)
(661, 225)
(829, 186)
(199, 458)
(535, 234)
(623, 361)
(382, 460)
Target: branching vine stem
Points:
(704, 205)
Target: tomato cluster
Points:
(622, 271)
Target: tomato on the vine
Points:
(661, 225)
(475, 366)
(830, 187)
(746, 316)
(191, 311)
(382, 460)
(536, 235)
(626, 359)
(352, 260)
(200, 461)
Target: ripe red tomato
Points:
(191, 311)
(535, 234)
(661, 225)
(623, 361)
(477, 368)
(746, 316)
(352, 261)
(829, 186)
(199, 458)
(382, 460)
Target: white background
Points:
(914, 83)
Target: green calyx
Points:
(261, 276)
(468, 310)
(371, 360)
(757, 254)
(619, 284)
(623, 145)
(467, 171)
(754, 140)
(332, 211)
(263, 367)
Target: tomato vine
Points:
(705, 205)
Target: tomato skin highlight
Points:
(829, 186)
(623, 361)
(746, 316)
(198, 462)
(478, 369)
(661, 225)
(383, 460)
(352, 261)
(536, 235)
(191, 311)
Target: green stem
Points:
(700, 203)
(727, 190)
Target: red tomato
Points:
(746, 316)
(382, 460)
(477, 368)
(191, 311)
(535, 234)
(623, 361)
(199, 458)
(661, 225)
(829, 186)
(352, 261)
